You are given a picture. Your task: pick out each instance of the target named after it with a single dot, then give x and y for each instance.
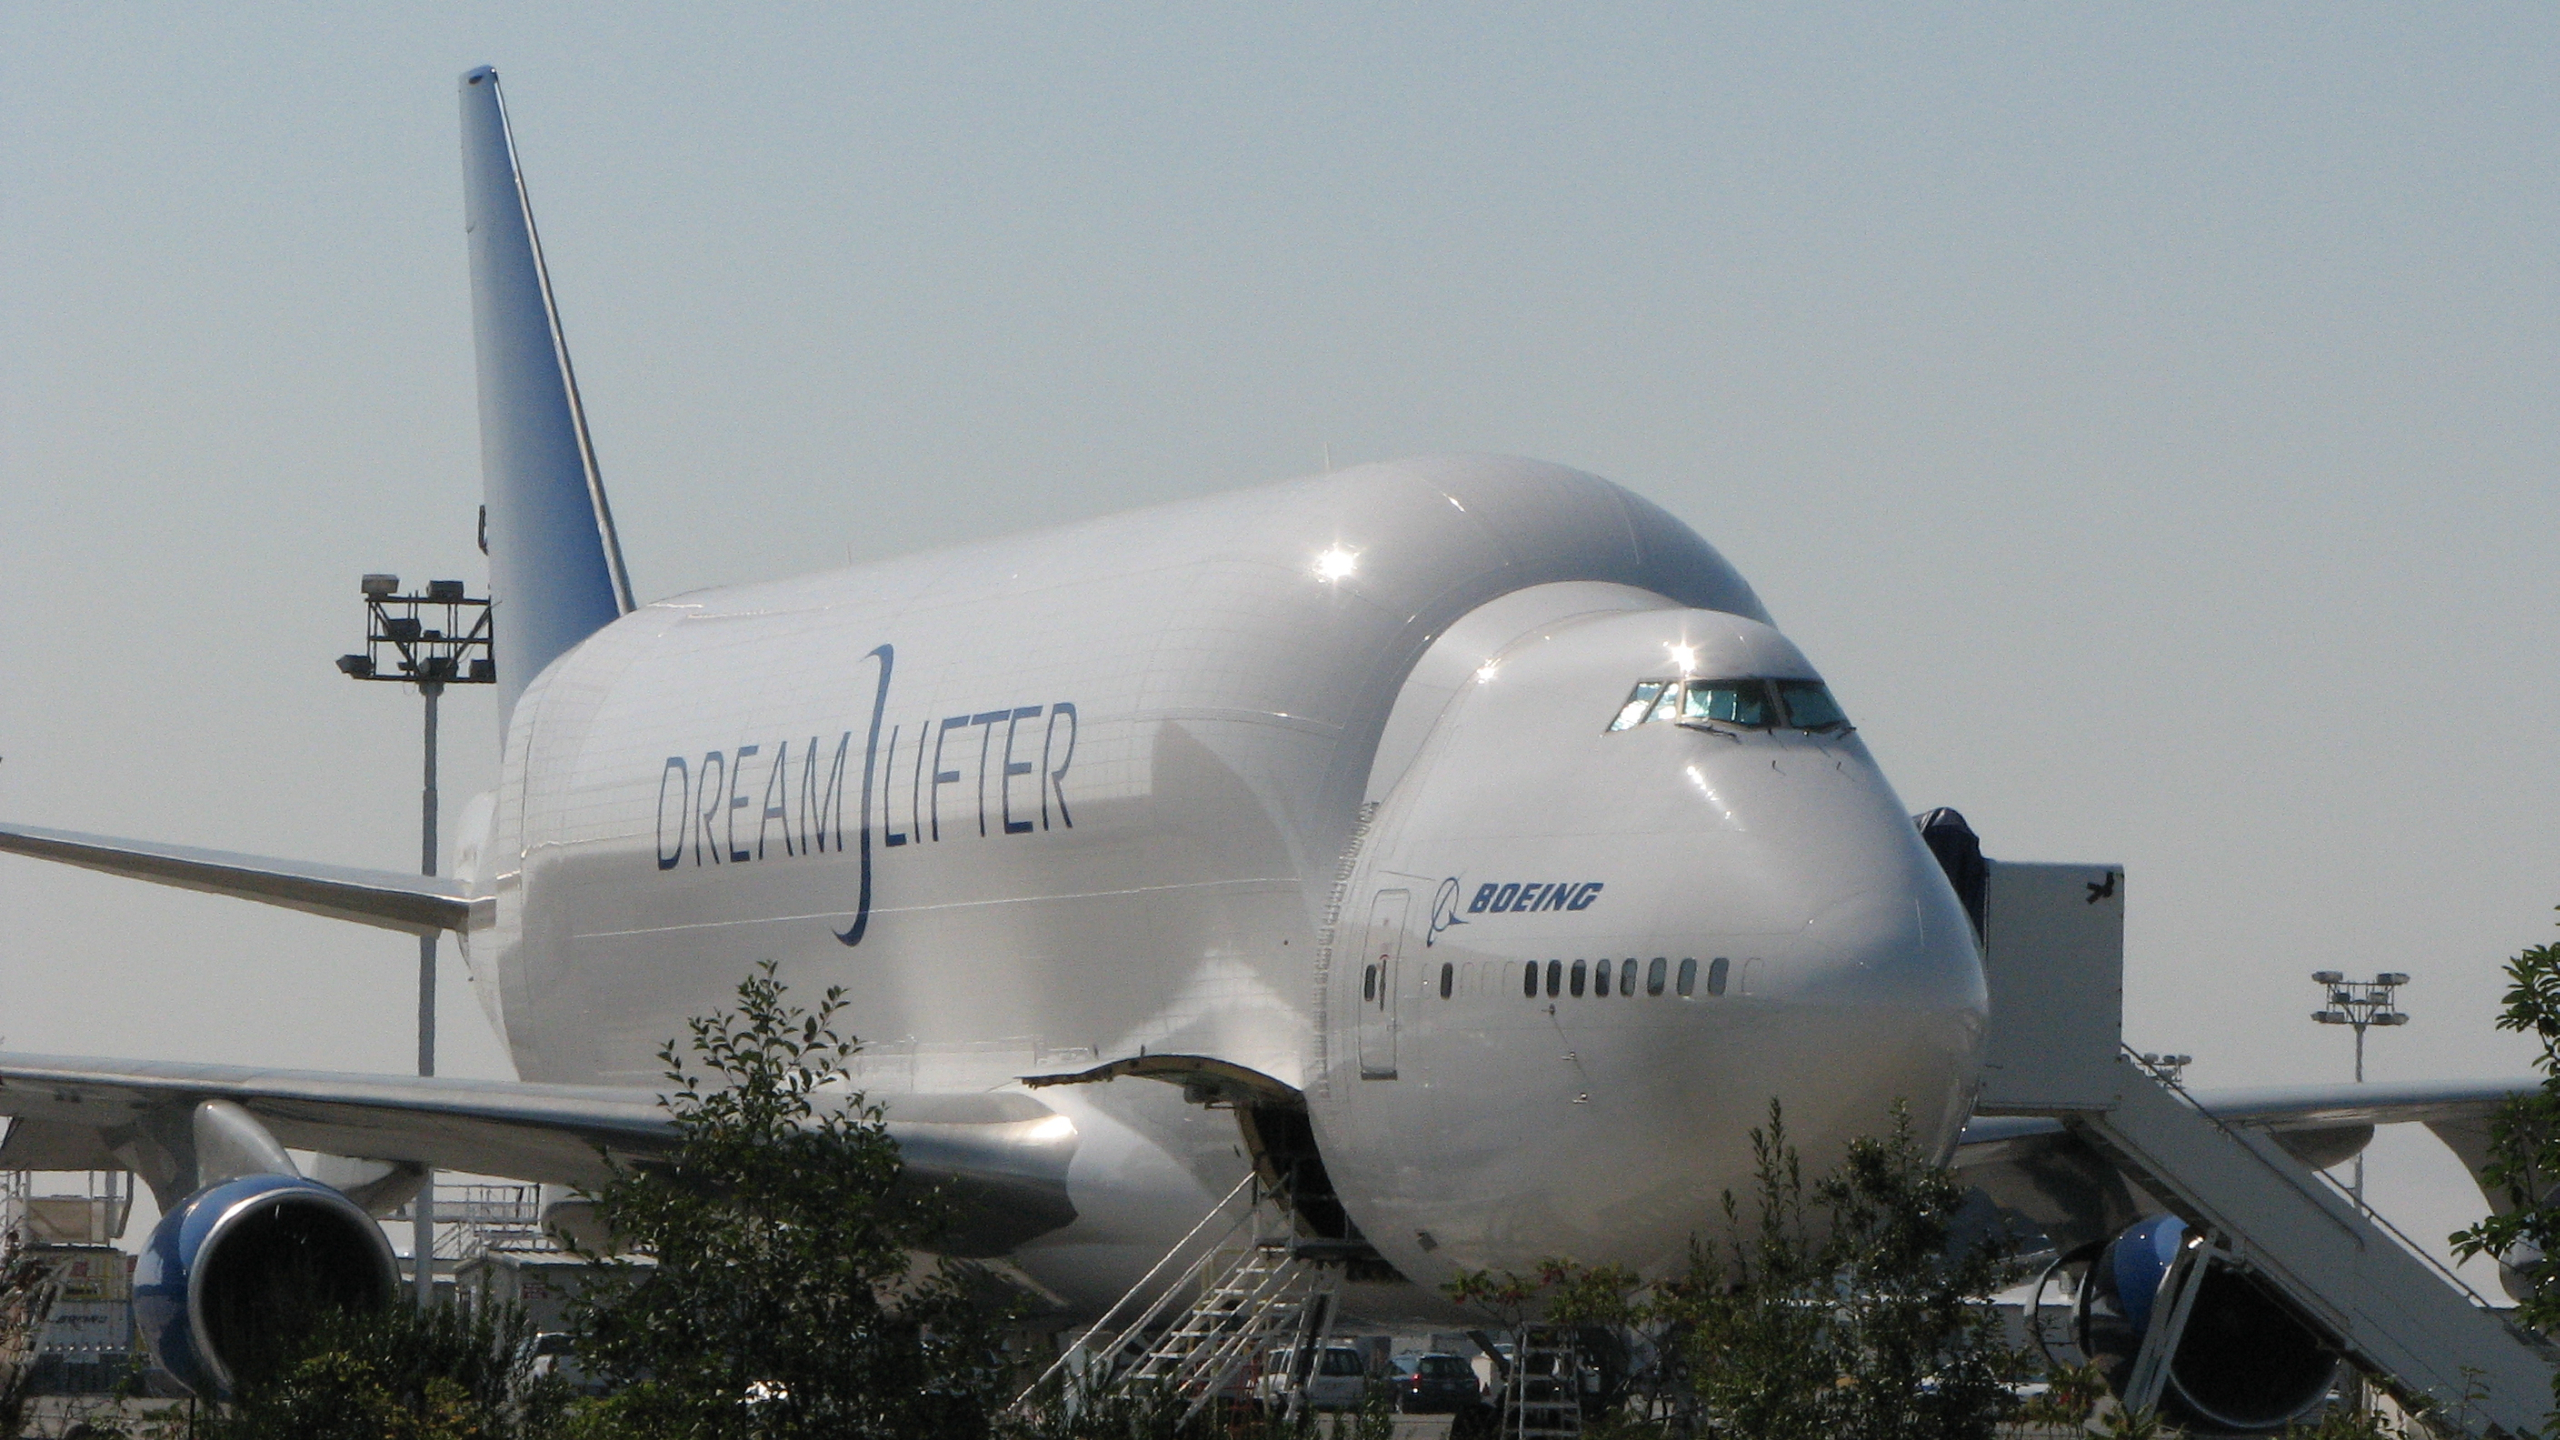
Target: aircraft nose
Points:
(1863, 960)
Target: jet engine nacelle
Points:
(236, 1263)
(2245, 1362)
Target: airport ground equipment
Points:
(1542, 1390)
(2254, 1214)
(1255, 1288)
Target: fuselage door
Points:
(1378, 984)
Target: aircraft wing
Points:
(1001, 1156)
(416, 904)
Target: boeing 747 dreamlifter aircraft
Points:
(1459, 837)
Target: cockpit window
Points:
(1810, 706)
(1727, 702)
(1639, 701)
(1747, 704)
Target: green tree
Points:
(2524, 1148)
(766, 1283)
(1850, 1307)
(451, 1372)
(28, 1287)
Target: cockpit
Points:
(1747, 704)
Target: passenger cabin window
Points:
(1448, 979)
(1555, 978)
(1653, 975)
(1369, 983)
(1716, 973)
(1581, 973)
(1529, 980)
(1688, 977)
(1600, 978)
(1627, 979)
(1742, 704)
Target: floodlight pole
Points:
(422, 1207)
(429, 659)
(2360, 1004)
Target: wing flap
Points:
(415, 904)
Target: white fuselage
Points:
(1230, 779)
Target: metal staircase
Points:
(2054, 955)
(1542, 1394)
(1254, 1288)
(1266, 1297)
(2384, 1304)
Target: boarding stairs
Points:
(1254, 1288)
(2054, 957)
(1542, 1393)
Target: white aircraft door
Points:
(1378, 984)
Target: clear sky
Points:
(2143, 414)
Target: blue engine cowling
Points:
(2246, 1363)
(236, 1263)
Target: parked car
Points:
(1338, 1380)
(1433, 1384)
(554, 1356)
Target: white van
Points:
(1339, 1379)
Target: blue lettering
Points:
(1484, 897)
(738, 802)
(684, 803)
(1590, 892)
(1057, 778)
(816, 799)
(889, 766)
(777, 800)
(942, 777)
(888, 657)
(1503, 897)
(985, 742)
(710, 805)
(1013, 767)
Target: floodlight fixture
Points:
(376, 587)
(2167, 1067)
(2327, 977)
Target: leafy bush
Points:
(1847, 1309)
(446, 1373)
(2525, 1147)
(771, 1288)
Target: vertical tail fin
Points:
(555, 565)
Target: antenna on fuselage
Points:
(555, 565)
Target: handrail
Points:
(2444, 1271)
(1105, 1322)
(2178, 1091)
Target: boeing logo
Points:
(1511, 897)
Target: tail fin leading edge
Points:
(555, 566)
